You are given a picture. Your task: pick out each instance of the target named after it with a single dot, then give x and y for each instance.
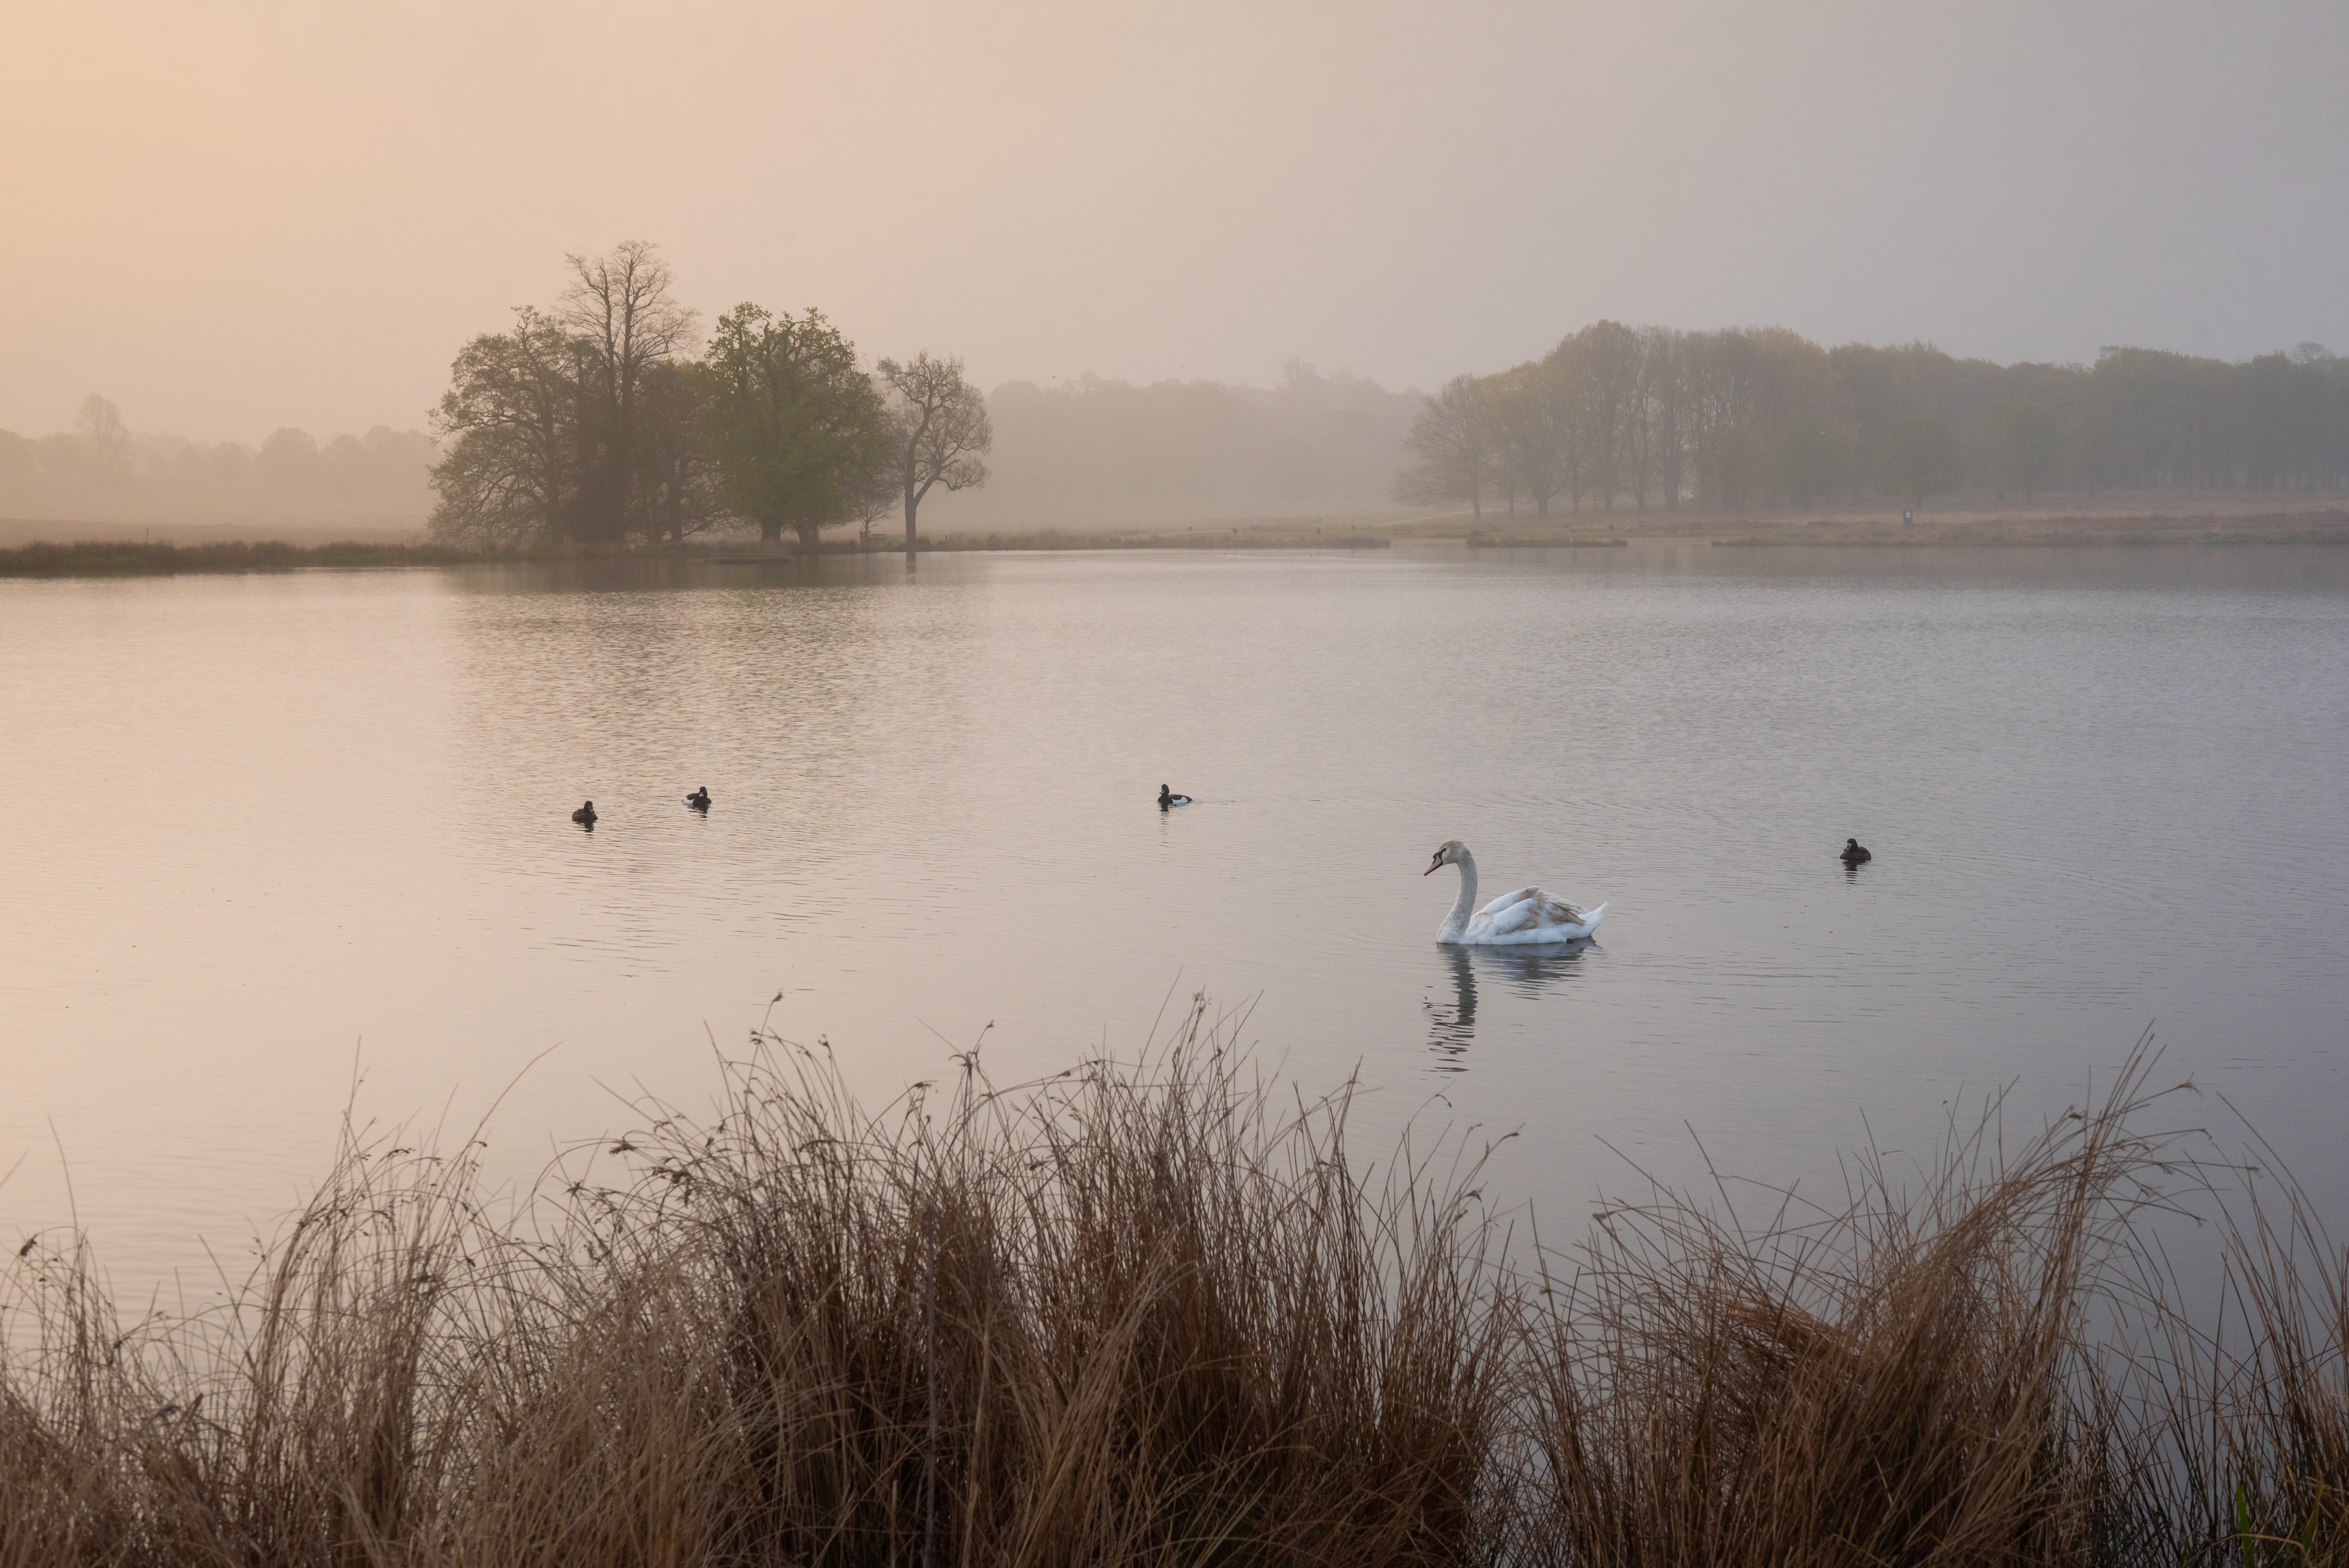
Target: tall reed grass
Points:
(1156, 1312)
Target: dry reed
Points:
(1153, 1313)
(1135, 1314)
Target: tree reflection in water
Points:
(1528, 971)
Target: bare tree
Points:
(1605, 355)
(110, 438)
(1724, 431)
(1452, 449)
(943, 431)
(875, 498)
(619, 310)
(1536, 444)
(1660, 438)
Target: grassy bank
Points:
(1158, 1313)
(118, 558)
(109, 558)
(2300, 527)
(102, 558)
(1253, 536)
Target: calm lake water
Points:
(267, 832)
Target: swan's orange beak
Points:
(1431, 869)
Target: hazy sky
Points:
(232, 217)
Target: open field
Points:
(1161, 1312)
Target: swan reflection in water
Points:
(1523, 970)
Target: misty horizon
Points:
(1094, 450)
(170, 441)
(266, 219)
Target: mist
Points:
(263, 217)
(292, 483)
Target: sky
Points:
(237, 216)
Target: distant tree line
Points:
(100, 471)
(607, 417)
(1617, 417)
(593, 421)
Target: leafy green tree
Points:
(1919, 457)
(511, 474)
(1812, 457)
(677, 491)
(797, 429)
(2026, 448)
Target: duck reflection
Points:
(1525, 971)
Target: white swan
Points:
(1528, 915)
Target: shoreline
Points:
(103, 557)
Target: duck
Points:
(1528, 914)
(700, 798)
(1167, 798)
(585, 815)
(1855, 853)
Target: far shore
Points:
(37, 548)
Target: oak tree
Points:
(510, 475)
(797, 429)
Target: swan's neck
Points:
(1456, 925)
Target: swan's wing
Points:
(1536, 918)
(1557, 911)
(1530, 914)
(1507, 899)
(1520, 910)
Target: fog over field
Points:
(233, 220)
